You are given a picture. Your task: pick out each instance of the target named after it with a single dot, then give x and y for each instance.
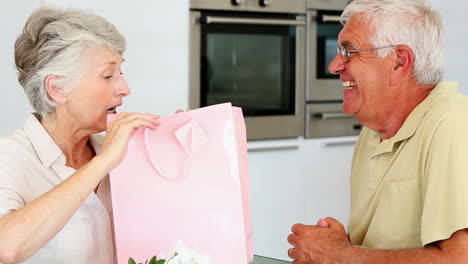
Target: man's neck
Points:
(397, 116)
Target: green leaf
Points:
(161, 261)
(131, 261)
(153, 260)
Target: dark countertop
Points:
(265, 260)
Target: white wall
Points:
(456, 60)
(156, 66)
(13, 103)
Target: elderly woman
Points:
(55, 202)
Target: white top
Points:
(31, 164)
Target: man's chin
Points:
(348, 108)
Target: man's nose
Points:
(337, 65)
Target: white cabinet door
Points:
(277, 194)
(297, 181)
(327, 178)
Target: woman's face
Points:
(99, 90)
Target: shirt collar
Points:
(96, 141)
(412, 122)
(46, 148)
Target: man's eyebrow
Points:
(346, 43)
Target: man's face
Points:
(366, 77)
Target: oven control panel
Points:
(338, 5)
(273, 6)
(252, 3)
(237, 2)
(265, 2)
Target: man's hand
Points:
(318, 244)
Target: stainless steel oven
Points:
(324, 93)
(251, 53)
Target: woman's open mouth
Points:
(111, 110)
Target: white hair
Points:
(405, 22)
(52, 43)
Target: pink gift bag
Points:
(185, 184)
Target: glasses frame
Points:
(346, 54)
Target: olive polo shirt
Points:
(412, 189)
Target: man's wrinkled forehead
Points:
(356, 29)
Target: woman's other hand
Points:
(119, 133)
(181, 111)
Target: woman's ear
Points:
(55, 92)
(403, 66)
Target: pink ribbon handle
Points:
(191, 138)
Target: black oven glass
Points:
(251, 66)
(327, 41)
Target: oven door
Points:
(322, 38)
(255, 61)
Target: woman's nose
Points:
(337, 65)
(123, 88)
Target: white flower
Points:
(187, 256)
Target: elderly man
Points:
(409, 183)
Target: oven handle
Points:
(253, 21)
(272, 148)
(349, 142)
(330, 18)
(330, 115)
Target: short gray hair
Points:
(52, 42)
(405, 22)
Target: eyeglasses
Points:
(347, 53)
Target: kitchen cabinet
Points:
(277, 177)
(327, 178)
(296, 181)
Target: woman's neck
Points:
(73, 141)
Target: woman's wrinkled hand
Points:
(119, 133)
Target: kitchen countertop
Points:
(265, 260)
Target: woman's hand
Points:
(119, 133)
(181, 111)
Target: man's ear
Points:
(54, 91)
(403, 65)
